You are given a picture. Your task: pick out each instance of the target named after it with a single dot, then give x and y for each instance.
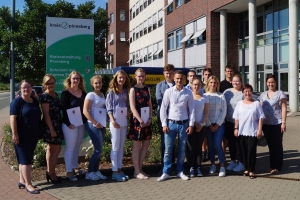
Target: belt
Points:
(178, 121)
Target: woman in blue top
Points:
(25, 117)
(274, 106)
(96, 130)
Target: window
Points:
(145, 27)
(154, 21)
(141, 30)
(260, 24)
(169, 6)
(149, 2)
(269, 22)
(178, 3)
(149, 24)
(178, 38)
(133, 35)
(130, 14)
(284, 18)
(171, 41)
(187, 1)
(133, 11)
(111, 18)
(145, 54)
(122, 36)
(141, 6)
(150, 52)
(137, 32)
(195, 32)
(130, 39)
(111, 38)
(122, 15)
(283, 51)
(137, 7)
(160, 18)
(145, 4)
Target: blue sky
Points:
(20, 3)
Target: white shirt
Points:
(199, 108)
(248, 116)
(97, 101)
(217, 108)
(179, 104)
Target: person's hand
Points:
(212, 128)
(97, 125)
(71, 126)
(216, 127)
(53, 133)
(165, 129)
(236, 132)
(115, 124)
(189, 130)
(149, 122)
(142, 124)
(283, 128)
(259, 134)
(15, 138)
(198, 127)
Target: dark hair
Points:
(229, 67)
(193, 71)
(169, 67)
(207, 69)
(247, 86)
(26, 81)
(178, 72)
(271, 76)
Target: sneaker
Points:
(118, 177)
(192, 172)
(182, 176)
(124, 175)
(101, 176)
(212, 169)
(199, 173)
(72, 178)
(240, 167)
(92, 176)
(163, 177)
(231, 165)
(222, 172)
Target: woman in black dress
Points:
(25, 117)
(51, 125)
(140, 132)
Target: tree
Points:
(29, 35)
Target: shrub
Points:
(39, 158)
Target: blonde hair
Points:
(46, 78)
(113, 85)
(95, 77)
(207, 88)
(138, 70)
(67, 81)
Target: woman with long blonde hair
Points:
(72, 97)
(116, 101)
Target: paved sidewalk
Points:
(285, 185)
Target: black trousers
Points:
(193, 150)
(232, 141)
(248, 145)
(273, 137)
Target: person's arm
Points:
(65, 103)
(110, 108)
(205, 115)
(14, 130)
(86, 111)
(191, 112)
(236, 127)
(163, 111)
(133, 107)
(158, 94)
(259, 130)
(260, 116)
(223, 107)
(283, 115)
(150, 109)
(45, 109)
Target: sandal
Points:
(252, 176)
(269, 170)
(144, 173)
(274, 171)
(246, 173)
(140, 176)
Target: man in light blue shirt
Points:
(190, 76)
(177, 117)
(161, 88)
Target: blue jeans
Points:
(170, 137)
(96, 135)
(215, 140)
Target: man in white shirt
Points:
(177, 117)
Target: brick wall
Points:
(119, 49)
(192, 10)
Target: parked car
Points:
(39, 89)
(33, 94)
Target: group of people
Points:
(196, 113)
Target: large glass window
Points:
(111, 18)
(260, 24)
(122, 15)
(283, 51)
(284, 83)
(260, 78)
(269, 22)
(284, 18)
(178, 3)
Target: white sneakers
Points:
(163, 177)
(92, 176)
(183, 176)
(222, 172)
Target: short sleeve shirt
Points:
(272, 107)
(97, 101)
(232, 98)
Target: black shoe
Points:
(53, 181)
(21, 185)
(33, 191)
